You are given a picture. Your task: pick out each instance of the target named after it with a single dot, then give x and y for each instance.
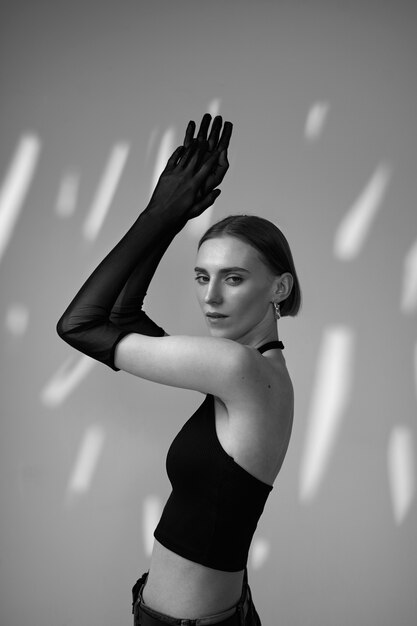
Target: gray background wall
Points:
(94, 96)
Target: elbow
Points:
(60, 327)
(64, 327)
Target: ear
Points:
(283, 286)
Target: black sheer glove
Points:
(127, 313)
(184, 190)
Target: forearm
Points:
(127, 312)
(116, 268)
(86, 323)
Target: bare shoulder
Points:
(268, 391)
(217, 366)
(255, 427)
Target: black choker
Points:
(271, 345)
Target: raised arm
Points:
(186, 188)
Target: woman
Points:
(223, 462)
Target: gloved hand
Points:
(185, 189)
(187, 186)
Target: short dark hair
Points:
(270, 242)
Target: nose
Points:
(213, 293)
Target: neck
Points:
(259, 339)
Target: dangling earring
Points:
(277, 311)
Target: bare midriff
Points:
(182, 588)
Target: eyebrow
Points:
(224, 270)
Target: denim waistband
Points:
(146, 616)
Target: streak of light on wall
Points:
(66, 380)
(316, 120)
(330, 398)
(259, 552)
(106, 191)
(415, 368)
(16, 185)
(166, 148)
(214, 107)
(401, 471)
(17, 319)
(409, 290)
(86, 462)
(152, 510)
(68, 194)
(357, 223)
(151, 142)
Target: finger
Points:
(216, 177)
(202, 155)
(221, 169)
(205, 123)
(223, 159)
(225, 138)
(198, 157)
(207, 167)
(215, 132)
(189, 133)
(172, 161)
(217, 173)
(189, 153)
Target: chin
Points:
(223, 334)
(219, 332)
(215, 332)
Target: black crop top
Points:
(215, 504)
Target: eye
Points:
(201, 278)
(234, 280)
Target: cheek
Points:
(252, 300)
(199, 294)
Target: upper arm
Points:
(210, 365)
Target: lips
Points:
(215, 315)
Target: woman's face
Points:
(235, 290)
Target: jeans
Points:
(242, 614)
